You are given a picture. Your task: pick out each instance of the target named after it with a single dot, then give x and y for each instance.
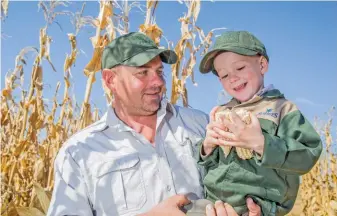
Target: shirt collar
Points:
(265, 89)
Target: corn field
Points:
(33, 131)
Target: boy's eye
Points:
(240, 68)
(224, 77)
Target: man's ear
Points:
(108, 76)
(263, 65)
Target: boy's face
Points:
(241, 76)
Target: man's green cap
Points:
(240, 42)
(134, 49)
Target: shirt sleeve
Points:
(69, 194)
(294, 149)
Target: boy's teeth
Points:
(239, 87)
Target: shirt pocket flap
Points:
(116, 164)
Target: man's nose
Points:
(157, 79)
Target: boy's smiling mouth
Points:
(240, 87)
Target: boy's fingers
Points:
(225, 135)
(231, 126)
(237, 120)
(219, 125)
(212, 141)
(231, 143)
(254, 119)
(212, 113)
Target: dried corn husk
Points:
(245, 116)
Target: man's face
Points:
(138, 90)
(241, 76)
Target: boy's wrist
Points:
(259, 148)
(206, 149)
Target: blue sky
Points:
(300, 37)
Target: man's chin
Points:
(151, 109)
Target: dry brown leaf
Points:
(104, 14)
(70, 59)
(39, 170)
(195, 9)
(110, 29)
(333, 205)
(152, 31)
(6, 92)
(42, 196)
(8, 210)
(4, 7)
(26, 211)
(95, 63)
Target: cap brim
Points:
(167, 56)
(206, 64)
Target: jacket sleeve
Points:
(210, 160)
(69, 194)
(294, 149)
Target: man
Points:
(139, 156)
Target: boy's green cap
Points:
(134, 49)
(240, 42)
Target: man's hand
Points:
(169, 207)
(224, 209)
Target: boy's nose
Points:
(233, 78)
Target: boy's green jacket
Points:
(292, 147)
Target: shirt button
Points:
(168, 188)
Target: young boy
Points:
(284, 144)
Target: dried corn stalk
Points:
(245, 117)
(150, 28)
(4, 8)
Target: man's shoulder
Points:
(191, 119)
(187, 111)
(83, 137)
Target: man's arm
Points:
(70, 194)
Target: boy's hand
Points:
(212, 138)
(212, 113)
(242, 135)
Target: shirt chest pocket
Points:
(119, 184)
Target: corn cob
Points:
(245, 117)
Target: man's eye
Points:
(240, 68)
(142, 73)
(160, 73)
